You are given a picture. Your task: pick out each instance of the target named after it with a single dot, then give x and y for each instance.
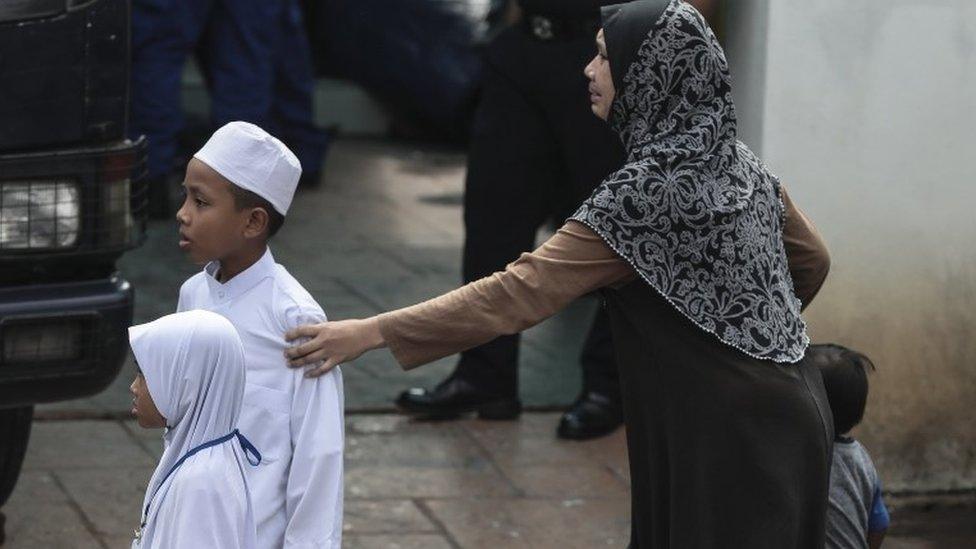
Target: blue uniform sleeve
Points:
(878, 520)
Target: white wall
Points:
(867, 112)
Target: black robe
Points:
(726, 450)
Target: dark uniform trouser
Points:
(255, 57)
(537, 152)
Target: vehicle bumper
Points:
(62, 341)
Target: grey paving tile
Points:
(110, 498)
(37, 486)
(33, 524)
(384, 517)
(409, 541)
(432, 449)
(418, 482)
(566, 481)
(40, 514)
(570, 523)
(118, 542)
(531, 441)
(83, 445)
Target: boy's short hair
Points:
(244, 198)
(845, 377)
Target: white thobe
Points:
(295, 422)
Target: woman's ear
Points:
(257, 223)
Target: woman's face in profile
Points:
(601, 83)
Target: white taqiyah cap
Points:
(253, 159)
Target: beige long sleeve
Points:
(575, 261)
(806, 252)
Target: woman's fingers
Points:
(308, 330)
(317, 333)
(325, 368)
(299, 355)
(310, 358)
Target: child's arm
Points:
(314, 489)
(878, 519)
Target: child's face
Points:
(143, 406)
(211, 227)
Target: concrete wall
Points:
(867, 111)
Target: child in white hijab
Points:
(191, 382)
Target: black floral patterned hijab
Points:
(694, 211)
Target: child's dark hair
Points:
(845, 377)
(244, 198)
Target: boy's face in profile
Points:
(211, 227)
(143, 406)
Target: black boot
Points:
(455, 396)
(592, 415)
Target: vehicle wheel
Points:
(15, 425)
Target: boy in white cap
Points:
(238, 189)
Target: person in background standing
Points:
(256, 61)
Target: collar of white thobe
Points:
(240, 284)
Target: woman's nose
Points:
(589, 71)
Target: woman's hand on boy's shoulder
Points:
(332, 343)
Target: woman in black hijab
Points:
(704, 263)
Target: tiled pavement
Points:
(409, 485)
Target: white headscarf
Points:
(193, 363)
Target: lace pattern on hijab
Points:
(694, 211)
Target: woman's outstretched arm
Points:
(575, 261)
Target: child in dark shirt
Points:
(856, 513)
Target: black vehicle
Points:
(71, 203)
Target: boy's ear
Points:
(257, 223)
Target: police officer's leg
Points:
(294, 86)
(511, 167)
(603, 154)
(598, 360)
(507, 197)
(163, 35)
(237, 56)
(590, 151)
